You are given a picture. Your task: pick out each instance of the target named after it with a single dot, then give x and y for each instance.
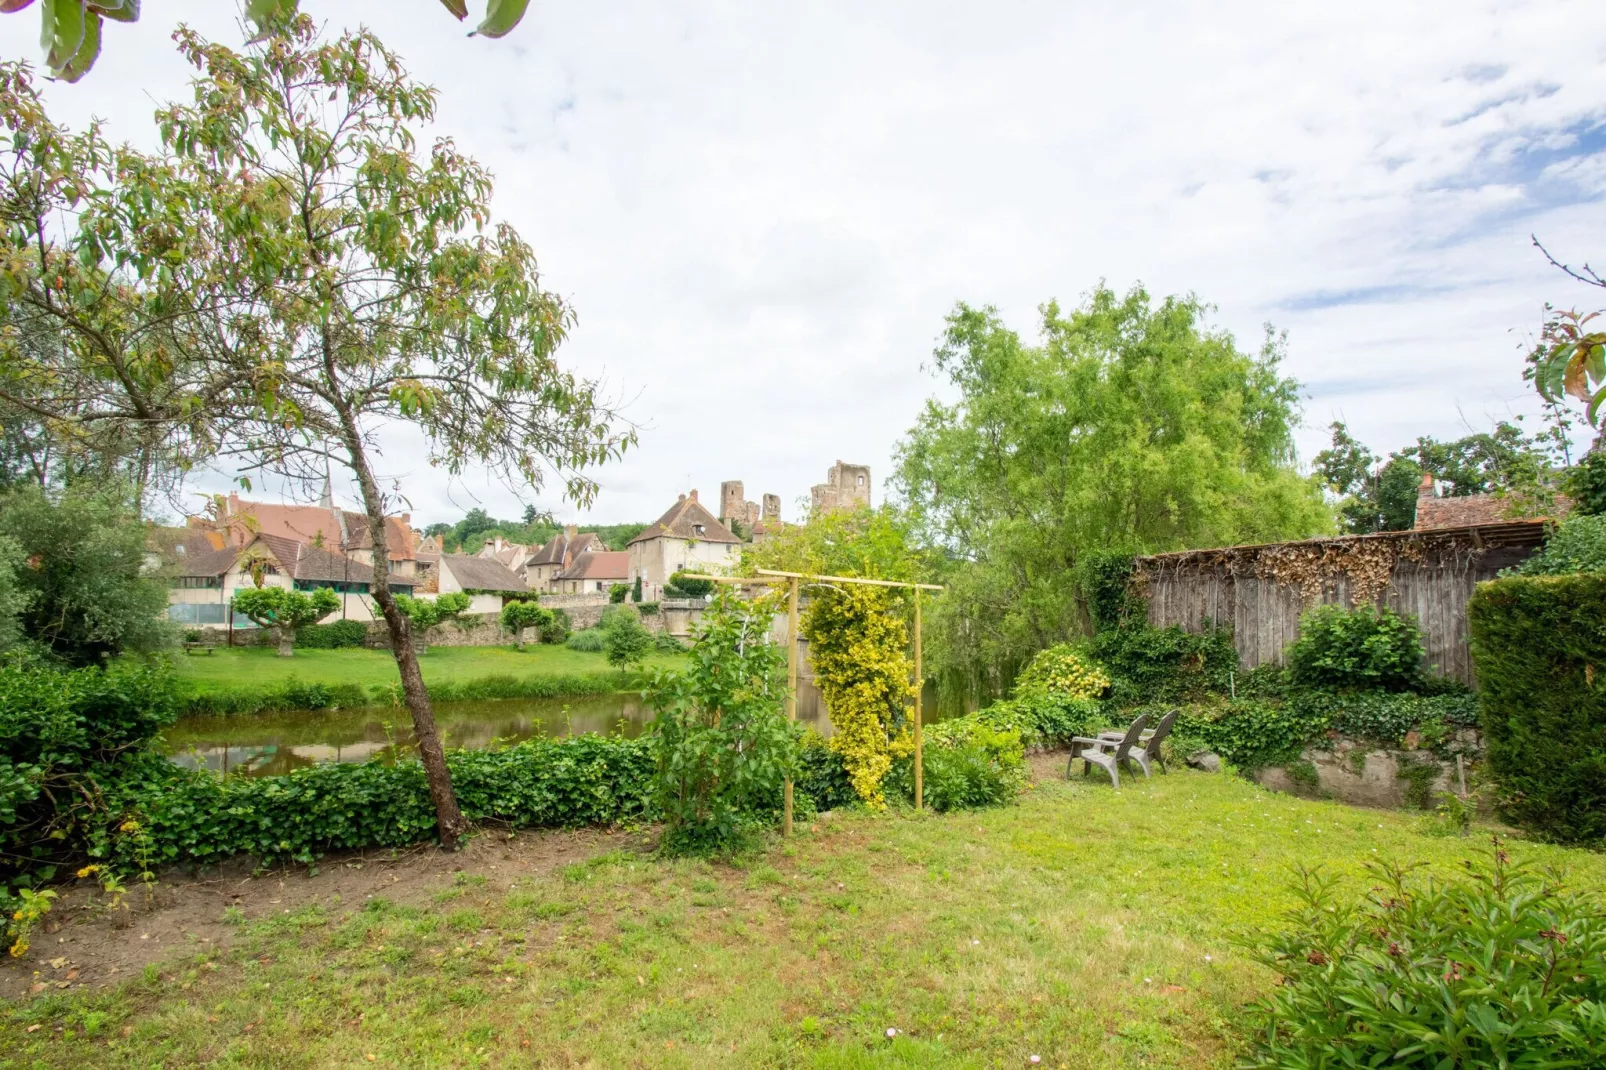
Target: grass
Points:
(1089, 927)
(261, 667)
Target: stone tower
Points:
(733, 504)
(846, 486)
(772, 507)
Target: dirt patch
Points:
(1048, 765)
(83, 944)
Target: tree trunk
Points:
(287, 643)
(448, 818)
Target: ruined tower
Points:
(846, 486)
(734, 506)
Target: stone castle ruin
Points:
(846, 486)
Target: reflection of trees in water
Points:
(278, 743)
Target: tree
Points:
(71, 29)
(1571, 359)
(82, 573)
(635, 590)
(285, 610)
(1132, 427)
(517, 616)
(317, 277)
(625, 640)
(681, 585)
(427, 613)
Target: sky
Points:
(762, 212)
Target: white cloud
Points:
(762, 212)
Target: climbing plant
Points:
(858, 643)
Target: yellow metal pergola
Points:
(794, 582)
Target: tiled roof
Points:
(598, 565)
(303, 562)
(482, 574)
(682, 522)
(1472, 510)
(207, 562)
(315, 524)
(561, 548)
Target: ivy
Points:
(857, 638)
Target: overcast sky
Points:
(762, 212)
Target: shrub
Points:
(198, 817)
(1587, 483)
(1060, 670)
(522, 614)
(968, 764)
(68, 739)
(1165, 664)
(1578, 544)
(337, 635)
(647, 609)
(1386, 717)
(626, 642)
(635, 590)
(555, 629)
(587, 640)
(1539, 644)
(1249, 733)
(618, 591)
(1364, 648)
(822, 777)
(722, 743)
(681, 585)
(1045, 720)
(1103, 579)
(1499, 968)
(665, 643)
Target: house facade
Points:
(489, 584)
(686, 538)
(593, 572)
(542, 566)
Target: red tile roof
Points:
(682, 521)
(1473, 510)
(598, 565)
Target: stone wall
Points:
(1367, 776)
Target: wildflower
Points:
(891, 1032)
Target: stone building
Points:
(846, 486)
(686, 537)
(541, 568)
(1470, 510)
(755, 520)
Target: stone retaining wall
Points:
(1368, 776)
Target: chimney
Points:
(682, 497)
(694, 494)
(1425, 488)
(568, 531)
(407, 518)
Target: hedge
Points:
(338, 635)
(295, 695)
(196, 817)
(1539, 644)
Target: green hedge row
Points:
(296, 695)
(1539, 644)
(191, 817)
(337, 635)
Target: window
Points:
(861, 481)
(698, 528)
(340, 586)
(202, 582)
(599, 585)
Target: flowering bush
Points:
(1502, 968)
(1060, 670)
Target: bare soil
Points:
(83, 944)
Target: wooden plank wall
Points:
(1264, 615)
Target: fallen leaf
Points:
(34, 1028)
(56, 964)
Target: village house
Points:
(542, 566)
(203, 578)
(688, 538)
(1471, 510)
(593, 572)
(489, 584)
(324, 526)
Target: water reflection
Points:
(278, 743)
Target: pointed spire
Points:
(328, 498)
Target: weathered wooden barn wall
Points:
(1261, 591)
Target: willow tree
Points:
(1131, 427)
(305, 275)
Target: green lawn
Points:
(255, 667)
(1089, 927)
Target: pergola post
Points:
(791, 695)
(920, 682)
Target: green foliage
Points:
(1248, 733)
(1363, 648)
(635, 591)
(626, 641)
(337, 635)
(665, 643)
(722, 742)
(1061, 670)
(556, 629)
(1149, 664)
(427, 613)
(822, 778)
(301, 695)
(1578, 544)
(1586, 484)
(588, 641)
(647, 609)
(1045, 719)
(69, 738)
(1133, 427)
(968, 764)
(1539, 644)
(522, 614)
(857, 643)
(1572, 362)
(1104, 578)
(681, 585)
(618, 591)
(78, 586)
(283, 609)
(1497, 968)
(198, 817)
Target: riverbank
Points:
(257, 680)
(979, 938)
